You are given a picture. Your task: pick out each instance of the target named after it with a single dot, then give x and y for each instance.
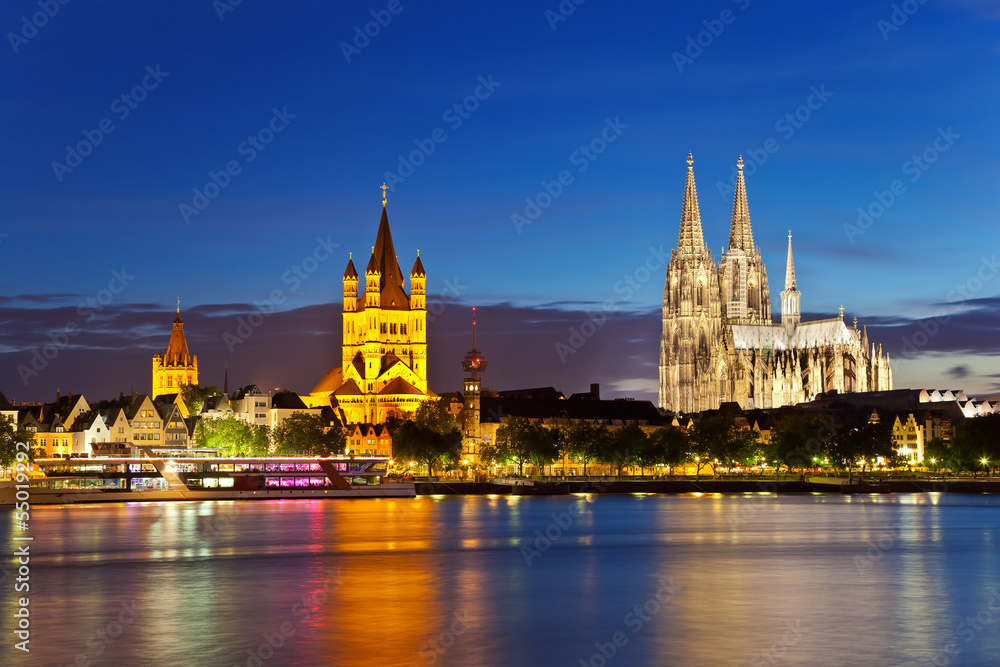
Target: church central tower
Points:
(384, 353)
(177, 367)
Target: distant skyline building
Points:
(718, 341)
(177, 367)
(384, 353)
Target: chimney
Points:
(57, 395)
(595, 391)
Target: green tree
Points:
(10, 435)
(586, 441)
(194, 396)
(544, 446)
(626, 446)
(426, 446)
(794, 440)
(860, 441)
(234, 435)
(936, 453)
(433, 414)
(305, 434)
(667, 445)
(977, 440)
(515, 441)
(718, 442)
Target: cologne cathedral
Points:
(719, 343)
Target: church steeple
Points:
(177, 366)
(791, 306)
(691, 240)
(741, 233)
(789, 267)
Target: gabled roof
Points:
(5, 405)
(86, 420)
(219, 403)
(349, 388)
(137, 402)
(243, 391)
(330, 382)
(400, 386)
(388, 361)
(287, 400)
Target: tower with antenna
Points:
(473, 364)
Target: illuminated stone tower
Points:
(177, 367)
(742, 276)
(384, 354)
(692, 316)
(473, 364)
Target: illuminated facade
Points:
(384, 354)
(718, 342)
(177, 367)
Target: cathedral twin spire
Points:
(741, 233)
(691, 240)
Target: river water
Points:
(574, 580)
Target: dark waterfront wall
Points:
(701, 486)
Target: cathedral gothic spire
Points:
(789, 267)
(791, 298)
(691, 240)
(740, 232)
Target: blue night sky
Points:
(829, 104)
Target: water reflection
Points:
(695, 579)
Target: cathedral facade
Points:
(719, 343)
(383, 370)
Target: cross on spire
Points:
(178, 305)
(384, 188)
